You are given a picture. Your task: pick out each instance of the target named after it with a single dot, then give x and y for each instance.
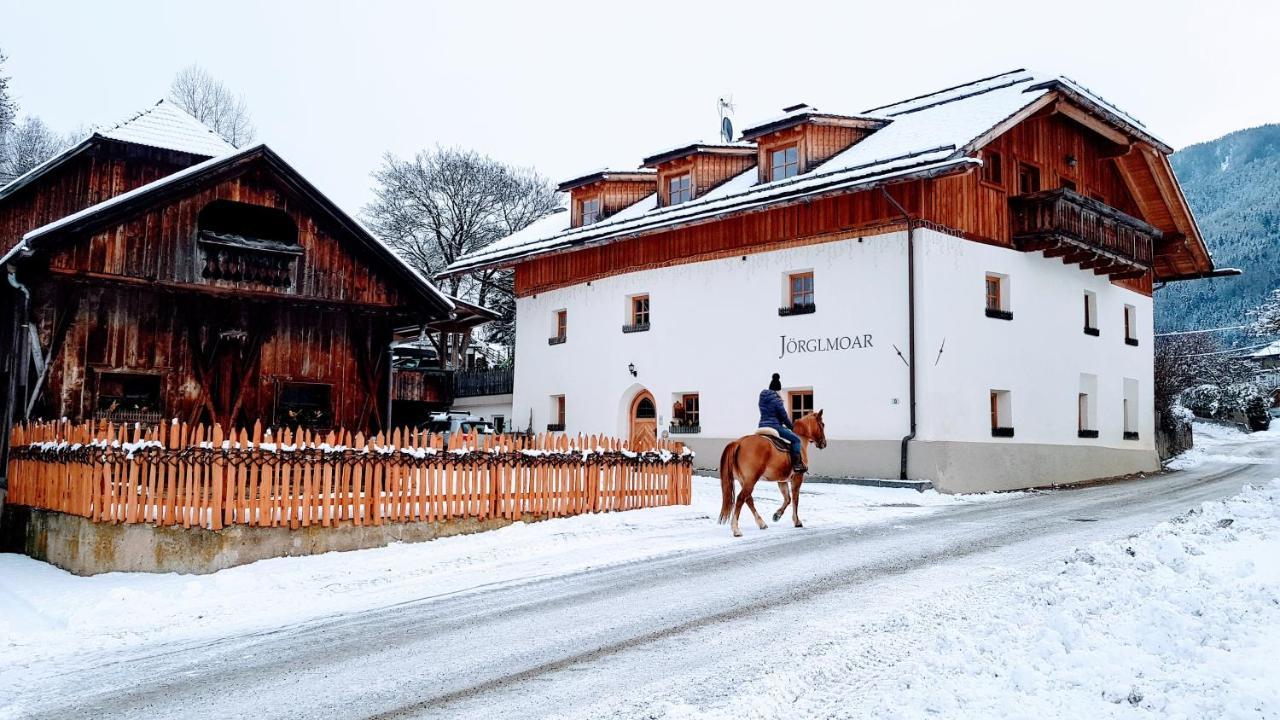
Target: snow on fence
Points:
(194, 476)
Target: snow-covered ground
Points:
(47, 614)
(890, 603)
(1180, 622)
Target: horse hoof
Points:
(799, 524)
(763, 526)
(737, 533)
(777, 516)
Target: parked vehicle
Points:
(447, 423)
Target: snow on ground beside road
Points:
(1180, 622)
(1208, 439)
(47, 614)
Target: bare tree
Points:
(29, 144)
(448, 202)
(8, 106)
(209, 101)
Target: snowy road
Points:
(677, 635)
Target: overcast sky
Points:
(569, 87)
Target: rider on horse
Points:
(773, 414)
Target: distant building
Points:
(156, 272)
(962, 280)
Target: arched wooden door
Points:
(644, 422)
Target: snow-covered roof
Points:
(169, 127)
(927, 135)
(1271, 350)
(31, 239)
(163, 125)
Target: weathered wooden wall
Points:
(159, 245)
(100, 172)
(137, 330)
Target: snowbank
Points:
(1209, 437)
(1180, 622)
(49, 617)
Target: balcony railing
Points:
(473, 383)
(1084, 231)
(429, 385)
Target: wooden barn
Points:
(154, 271)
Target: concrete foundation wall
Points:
(88, 548)
(959, 467)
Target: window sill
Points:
(1092, 331)
(556, 340)
(1087, 433)
(797, 310)
(555, 427)
(999, 314)
(1130, 435)
(1002, 432)
(686, 429)
(640, 327)
(1131, 341)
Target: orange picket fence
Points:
(195, 476)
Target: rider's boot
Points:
(797, 465)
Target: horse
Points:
(754, 456)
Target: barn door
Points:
(644, 422)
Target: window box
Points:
(1131, 341)
(557, 340)
(685, 429)
(638, 327)
(1087, 433)
(999, 314)
(1130, 435)
(805, 309)
(1091, 331)
(1005, 432)
(555, 427)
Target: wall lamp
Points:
(631, 368)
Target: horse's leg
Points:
(796, 480)
(743, 494)
(785, 491)
(751, 503)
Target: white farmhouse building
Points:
(961, 280)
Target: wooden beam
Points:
(1164, 186)
(1060, 250)
(1078, 256)
(1067, 110)
(1008, 123)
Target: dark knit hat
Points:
(776, 383)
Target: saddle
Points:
(772, 435)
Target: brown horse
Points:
(753, 457)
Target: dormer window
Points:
(784, 163)
(589, 211)
(679, 189)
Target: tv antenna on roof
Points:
(725, 107)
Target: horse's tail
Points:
(728, 460)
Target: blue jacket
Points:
(773, 412)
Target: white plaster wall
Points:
(1038, 356)
(487, 406)
(716, 331)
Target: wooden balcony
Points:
(1083, 231)
(429, 385)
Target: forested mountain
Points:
(1233, 186)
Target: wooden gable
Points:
(163, 239)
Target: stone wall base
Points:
(87, 548)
